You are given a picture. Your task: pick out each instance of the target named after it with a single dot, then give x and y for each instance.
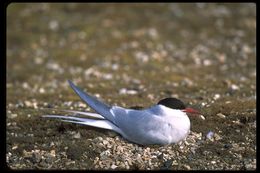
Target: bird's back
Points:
(149, 126)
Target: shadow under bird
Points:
(163, 123)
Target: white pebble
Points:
(213, 162)
(126, 91)
(216, 96)
(42, 90)
(13, 116)
(54, 25)
(234, 87)
(114, 166)
(77, 136)
(210, 135)
(202, 117)
(220, 115)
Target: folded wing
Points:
(100, 107)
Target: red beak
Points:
(190, 110)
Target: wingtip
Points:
(71, 83)
(73, 86)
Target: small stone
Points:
(82, 105)
(15, 147)
(216, 96)
(25, 85)
(35, 105)
(203, 104)
(220, 115)
(202, 117)
(126, 91)
(77, 136)
(53, 153)
(28, 103)
(175, 163)
(187, 167)
(210, 135)
(105, 142)
(222, 58)
(141, 56)
(69, 163)
(234, 87)
(12, 116)
(41, 90)
(38, 60)
(114, 166)
(207, 62)
(217, 137)
(213, 162)
(54, 25)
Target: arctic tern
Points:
(164, 123)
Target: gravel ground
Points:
(131, 55)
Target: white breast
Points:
(178, 124)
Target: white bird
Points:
(164, 123)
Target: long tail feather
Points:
(89, 114)
(100, 107)
(104, 124)
(64, 117)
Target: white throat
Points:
(178, 120)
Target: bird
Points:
(164, 123)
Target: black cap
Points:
(172, 103)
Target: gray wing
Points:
(140, 126)
(100, 107)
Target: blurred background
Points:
(131, 55)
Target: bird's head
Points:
(177, 104)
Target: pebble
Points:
(54, 25)
(220, 115)
(25, 85)
(234, 87)
(114, 167)
(105, 142)
(126, 91)
(31, 104)
(15, 147)
(202, 117)
(69, 163)
(38, 60)
(28, 103)
(12, 116)
(141, 56)
(77, 135)
(81, 105)
(210, 135)
(217, 136)
(186, 167)
(213, 162)
(216, 96)
(41, 90)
